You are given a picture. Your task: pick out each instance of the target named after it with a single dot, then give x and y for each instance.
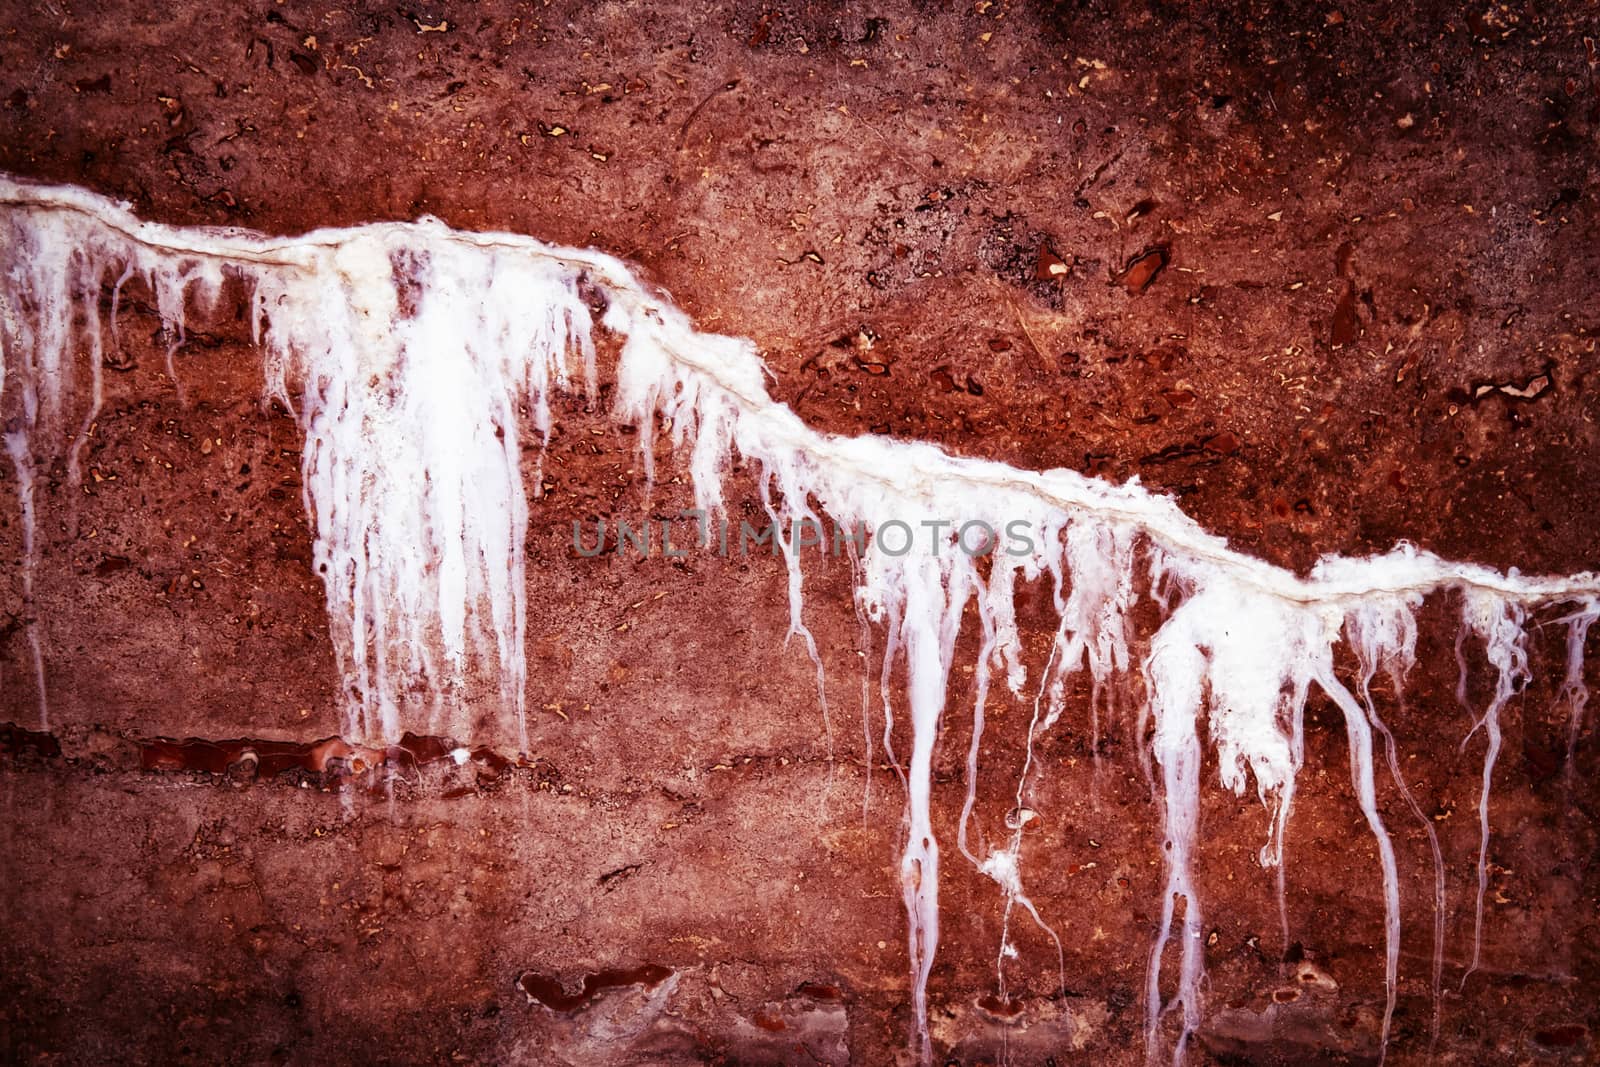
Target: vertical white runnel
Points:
(1244, 660)
(1382, 632)
(1498, 622)
(22, 463)
(928, 605)
(1573, 687)
(1095, 559)
(1361, 777)
(1175, 673)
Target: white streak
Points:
(1361, 778)
(22, 463)
(1499, 623)
(1574, 689)
(1382, 631)
(1246, 660)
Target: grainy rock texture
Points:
(1324, 272)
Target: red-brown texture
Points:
(1323, 271)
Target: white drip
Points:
(1573, 687)
(409, 364)
(1244, 660)
(411, 354)
(22, 464)
(1383, 634)
(1498, 622)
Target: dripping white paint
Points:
(407, 351)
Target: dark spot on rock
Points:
(820, 991)
(1346, 326)
(762, 31)
(1000, 1007)
(552, 992)
(1568, 1035)
(15, 741)
(1143, 268)
(619, 873)
(1542, 761)
(1342, 257)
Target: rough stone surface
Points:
(1325, 272)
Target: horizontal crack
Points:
(333, 761)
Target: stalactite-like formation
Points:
(409, 352)
(414, 484)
